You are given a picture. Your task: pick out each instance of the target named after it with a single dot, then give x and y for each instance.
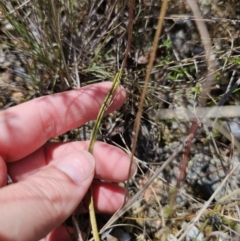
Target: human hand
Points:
(51, 179)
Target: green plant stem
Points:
(104, 107)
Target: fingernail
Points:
(78, 166)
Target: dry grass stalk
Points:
(201, 113)
(209, 55)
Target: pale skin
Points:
(51, 179)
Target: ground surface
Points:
(35, 60)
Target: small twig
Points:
(184, 162)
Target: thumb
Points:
(32, 208)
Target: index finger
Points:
(26, 127)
